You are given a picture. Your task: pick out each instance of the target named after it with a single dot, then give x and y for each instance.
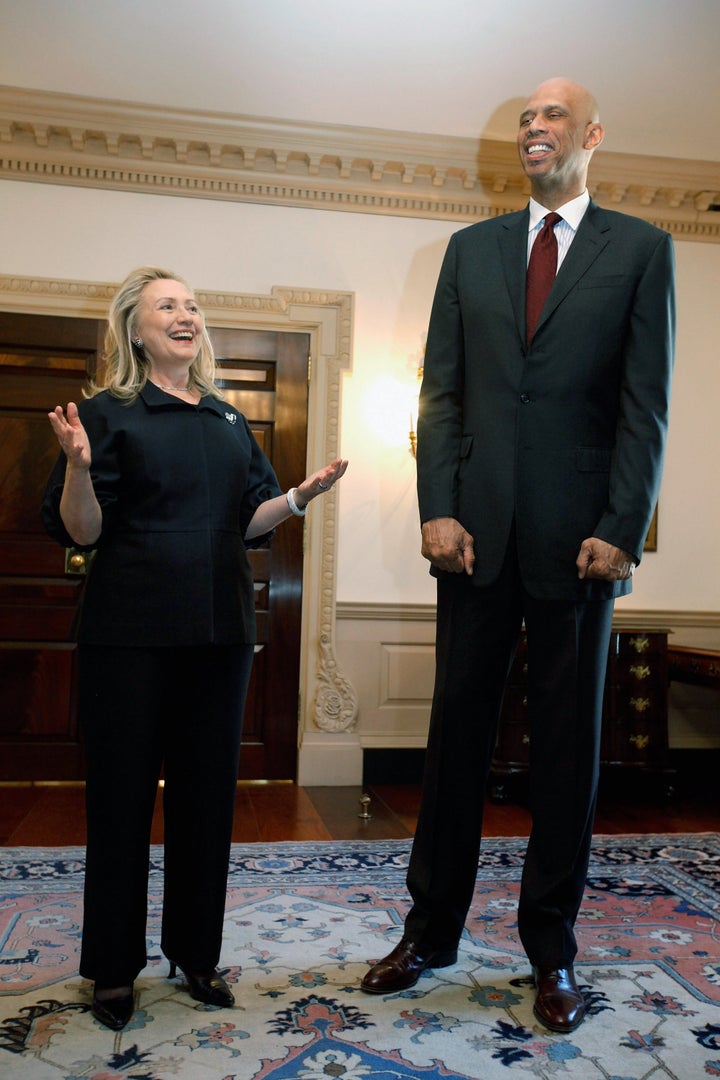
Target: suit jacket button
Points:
(525, 398)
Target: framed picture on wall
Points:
(651, 538)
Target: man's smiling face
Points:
(557, 134)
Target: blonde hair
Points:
(126, 366)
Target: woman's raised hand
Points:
(321, 481)
(71, 435)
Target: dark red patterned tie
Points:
(540, 273)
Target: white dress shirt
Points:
(572, 214)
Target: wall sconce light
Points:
(388, 400)
(412, 435)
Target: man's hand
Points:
(448, 546)
(600, 560)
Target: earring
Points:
(137, 342)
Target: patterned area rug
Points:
(303, 921)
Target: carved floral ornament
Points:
(56, 138)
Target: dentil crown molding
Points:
(90, 142)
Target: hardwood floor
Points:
(52, 815)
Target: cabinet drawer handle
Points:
(641, 741)
(639, 704)
(640, 671)
(639, 644)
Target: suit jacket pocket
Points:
(604, 281)
(592, 459)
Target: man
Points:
(539, 457)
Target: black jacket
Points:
(567, 438)
(178, 485)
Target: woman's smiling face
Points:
(169, 323)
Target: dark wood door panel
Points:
(265, 375)
(31, 555)
(27, 455)
(33, 609)
(30, 676)
(43, 362)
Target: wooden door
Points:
(264, 374)
(45, 360)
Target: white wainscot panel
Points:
(406, 674)
(389, 656)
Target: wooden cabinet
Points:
(512, 745)
(636, 700)
(635, 710)
(697, 667)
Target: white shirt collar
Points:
(572, 211)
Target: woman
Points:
(165, 481)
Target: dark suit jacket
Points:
(567, 437)
(178, 485)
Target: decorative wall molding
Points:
(90, 142)
(623, 617)
(388, 651)
(328, 699)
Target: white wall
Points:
(684, 573)
(391, 265)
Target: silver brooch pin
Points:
(230, 417)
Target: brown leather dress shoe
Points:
(113, 1007)
(402, 968)
(559, 1005)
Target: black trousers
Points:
(477, 634)
(144, 710)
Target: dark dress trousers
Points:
(533, 451)
(166, 637)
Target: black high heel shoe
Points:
(210, 989)
(113, 1012)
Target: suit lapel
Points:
(513, 241)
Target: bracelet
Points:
(295, 509)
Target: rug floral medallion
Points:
(304, 920)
